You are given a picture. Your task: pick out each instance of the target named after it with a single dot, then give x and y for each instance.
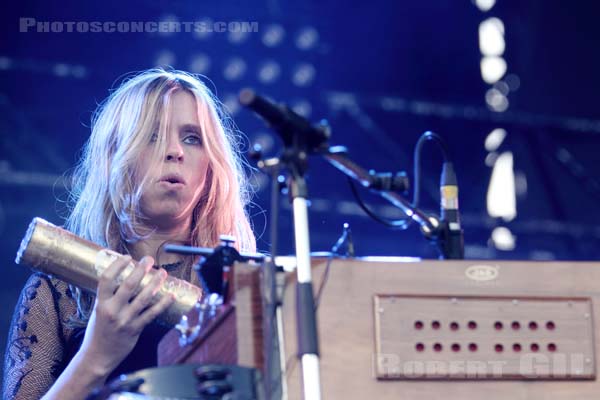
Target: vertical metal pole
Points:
(305, 307)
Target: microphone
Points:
(286, 122)
(453, 246)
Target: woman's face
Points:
(176, 182)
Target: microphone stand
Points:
(294, 159)
(308, 344)
(299, 139)
(447, 238)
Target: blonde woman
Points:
(160, 166)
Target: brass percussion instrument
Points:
(55, 251)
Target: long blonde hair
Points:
(105, 198)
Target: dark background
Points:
(421, 57)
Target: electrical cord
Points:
(404, 223)
(344, 238)
(401, 223)
(417, 157)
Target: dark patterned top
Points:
(41, 344)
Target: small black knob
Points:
(211, 373)
(214, 388)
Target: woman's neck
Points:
(156, 238)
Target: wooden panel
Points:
(248, 308)
(347, 324)
(477, 337)
(347, 335)
(215, 344)
(232, 336)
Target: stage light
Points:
(231, 103)
(501, 198)
(564, 155)
(491, 37)
(273, 35)
(234, 69)
(494, 139)
(61, 70)
(303, 75)
(269, 72)
(259, 182)
(202, 30)
(491, 158)
(496, 101)
(302, 107)
(520, 184)
(484, 5)
(5, 63)
(200, 63)
(265, 141)
(502, 87)
(237, 36)
(165, 58)
(513, 82)
(79, 71)
(492, 69)
(171, 21)
(341, 101)
(307, 38)
(393, 104)
(321, 205)
(503, 239)
(349, 208)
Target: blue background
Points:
(422, 57)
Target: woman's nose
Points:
(174, 150)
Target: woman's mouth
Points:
(172, 180)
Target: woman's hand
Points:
(122, 311)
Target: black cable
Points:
(275, 191)
(272, 302)
(324, 279)
(401, 223)
(345, 237)
(417, 157)
(404, 223)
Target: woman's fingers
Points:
(129, 307)
(154, 311)
(147, 295)
(130, 286)
(122, 311)
(108, 281)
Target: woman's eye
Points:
(193, 139)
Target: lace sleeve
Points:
(37, 349)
